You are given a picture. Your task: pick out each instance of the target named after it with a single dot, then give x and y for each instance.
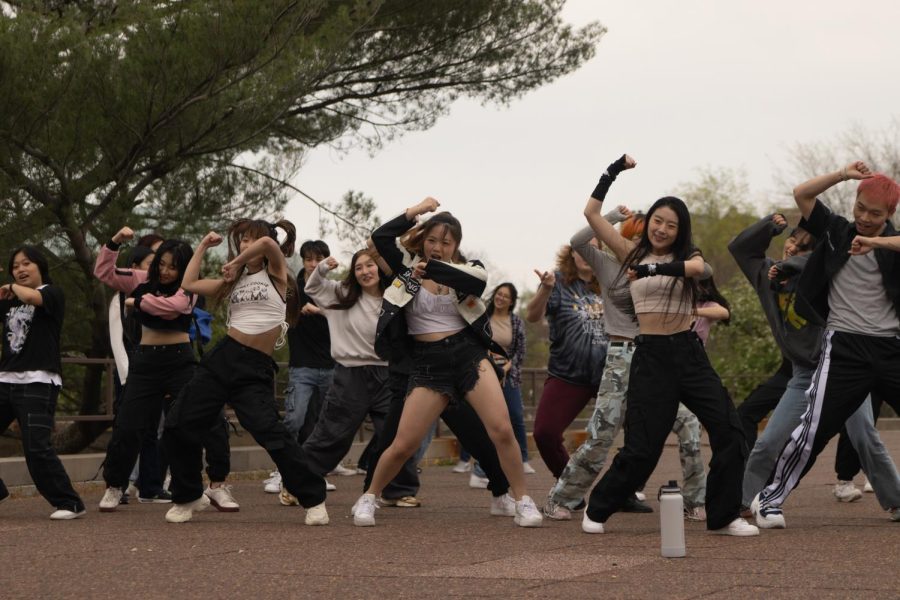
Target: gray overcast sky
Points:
(678, 85)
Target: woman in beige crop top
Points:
(669, 365)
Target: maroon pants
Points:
(560, 404)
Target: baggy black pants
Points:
(156, 375)
(33, 405)
(666, 370)
(244, 378)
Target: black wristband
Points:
(672, 269)
(113, 246)
(607, 178)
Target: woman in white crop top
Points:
(239, 370)
(669, 365)
(450, 362)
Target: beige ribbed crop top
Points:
(651, 294)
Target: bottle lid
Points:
(669, 488)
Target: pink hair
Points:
(880, 188)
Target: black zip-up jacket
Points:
(468, 281)
(834, 234)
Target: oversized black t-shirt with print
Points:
(31, 333)
(578, 340)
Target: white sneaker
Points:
(329, 487)
(110, 500)
(527, 514)
(462, 467)
(221, 498)
(342, 471)
(477, 482)
(739, 527)
(64, 514)
(132, 490)
(845, 491)
(589, 526)
(272, 485)
(182, 513)
(316, 515)
(895, 515)
(529, 470)
(771, 518)
(557, 512)
(286, 498)
(641, 496)
(868, 487)
(364, 511)
(503, 506)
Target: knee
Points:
(543, 433)
(402, 448)
(501, 433)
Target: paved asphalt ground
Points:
(449, 547)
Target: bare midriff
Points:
(264, 342)
(663, 323)
(620, 338)
(434, 337)
(161, 337)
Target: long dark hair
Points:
(181, 253)
(258, 229)
(513, 295)
(414, 240)
(682, 249)
(33, 254)
(708, 292)
(350, 290)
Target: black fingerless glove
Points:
(607, 178)
(672, 269)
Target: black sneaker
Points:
(633, 505)
(164, 497)
(4, 493)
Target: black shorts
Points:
(449, 366)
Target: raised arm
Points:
(122, 280)
(538, 304)
(267, 248)
(191, 280)
(321, 289)
(385, 238)
(749, 247)
(805, 194)
(603, 229)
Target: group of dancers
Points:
(406, 338)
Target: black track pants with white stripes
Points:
(851, 367)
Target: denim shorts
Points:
(448, 366)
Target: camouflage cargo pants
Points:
(606, 421)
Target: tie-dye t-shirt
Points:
(578, 339)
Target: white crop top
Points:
(433, 313)
(255, 306)
(651, 294)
